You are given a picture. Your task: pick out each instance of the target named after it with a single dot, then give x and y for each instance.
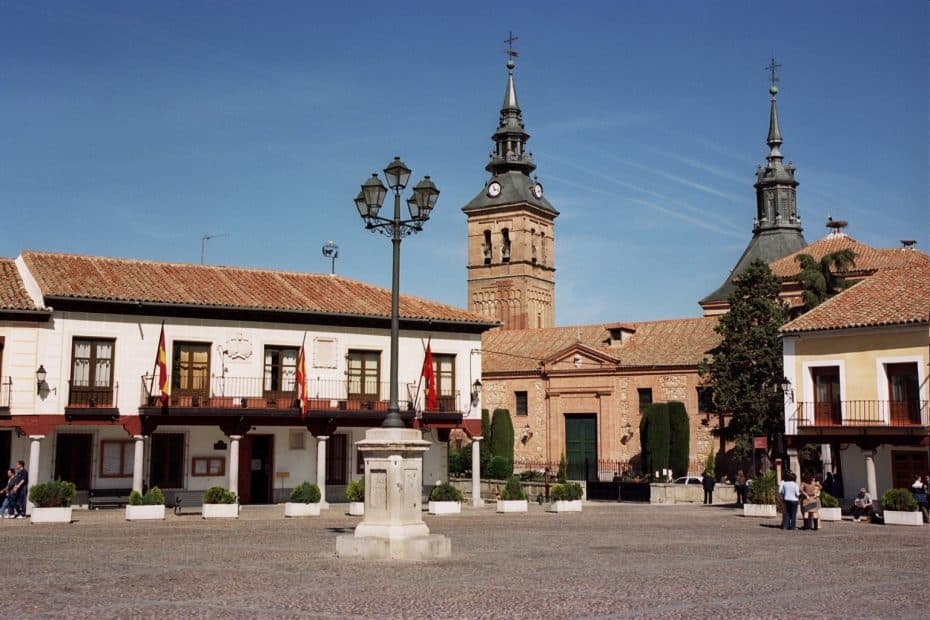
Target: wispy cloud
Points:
(713, 191)
(594, 122)
(700, 165)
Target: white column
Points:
(794, 462)
(870, 483)
(33, 465)
(476, 500)
(321, 468)
(137, 458)
(826, 455)
(234, 465)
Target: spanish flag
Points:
(300, 378)
(430, 376)
(161, 362)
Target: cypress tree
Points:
(502, 436)
(656, 446)
(679, 449)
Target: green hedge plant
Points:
(899, 499)
(679, 448)
(54, 494)
(445, 492)
(828, 501)
(154, 497)
(135, 498)
(306, 493)
(219, 495)
(499, 468)
(568, 492)
(355, 491)
(764, 489)
(513, 490)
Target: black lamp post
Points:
(368, 202)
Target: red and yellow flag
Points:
(300, 378)
(161, 362)
(429, 374)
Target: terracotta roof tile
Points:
(118, 279)
(890, 297)
(868, 259)
(13, 295)
(677, 342)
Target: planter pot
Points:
(759, 510)
(56, 515)
(145, 513)
(300, 509)
(831, 514)
(565, 506)
(357, 509)
(899, 517)
(220, 511)
(512, 505)
(444, 508)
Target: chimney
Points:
(908, 244)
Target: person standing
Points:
(708, 482)
(789, 493)
(740, 486)
(21, 488)
(9, 500)
(810, 502)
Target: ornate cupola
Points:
(511, 261)
(776, 230)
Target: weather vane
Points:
(772, 66)
(509, 41)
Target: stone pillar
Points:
(476, 500)
(794, 462)
(34, 447)
(234, 465)
(870, 483)
(321, 469)
(137, 459)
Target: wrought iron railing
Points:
(83, 395)
(861, 413)
(261, 393)
(6, 392)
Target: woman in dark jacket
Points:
(708, 482)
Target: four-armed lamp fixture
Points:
(369, 202)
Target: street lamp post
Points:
(369, 202)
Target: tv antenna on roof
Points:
(203, 241)
(331, 250)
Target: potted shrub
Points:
(445, 499)
(146, 507)
(355, 493)
(900, 508)
(304, 501)
(218, 503)
(762, 496)
(829, 508)
(51, 501)
(513, 499)
(565, 497)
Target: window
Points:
(364, 372)
(280, 371)
(91, 372)
(645, 398)
(522, 406)
(296, 440)
(444, 369)
(903, 393)
(505, 245)
(167, 467)
(190, 369)
(705, 398)
(116, 459)
(337, 459)
(906, 465)
(486, 249)
(827, 409)
(208, 466)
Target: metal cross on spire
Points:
(772, 66)
(509, 41)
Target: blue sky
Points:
(134, 128)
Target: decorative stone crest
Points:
(238, 347)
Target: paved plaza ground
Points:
(612, 560)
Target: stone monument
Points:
(393, 527)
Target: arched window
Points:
(486, 247)
(505, 248)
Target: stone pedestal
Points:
(393, 527)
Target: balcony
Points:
(860, 414)
(91, 402)
(324, 396)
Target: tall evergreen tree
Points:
(746, 370)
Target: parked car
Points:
(687, 480)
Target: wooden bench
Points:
(188, 500)
(114, 498)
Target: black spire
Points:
(511, 137)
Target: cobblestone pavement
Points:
(612, 560)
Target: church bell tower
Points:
(511, 258)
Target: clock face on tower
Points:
(494, 189)
(537, 190)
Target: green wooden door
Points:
(581, 446)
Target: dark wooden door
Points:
(581, 446)
(245, 469)
(261, 472)
(906, 465)
(827, 409)
(903, 393)
(73, 457)
(166, 469)
(6, 438)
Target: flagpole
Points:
(155, 365)
(416, 396)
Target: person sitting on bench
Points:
(862, 505)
